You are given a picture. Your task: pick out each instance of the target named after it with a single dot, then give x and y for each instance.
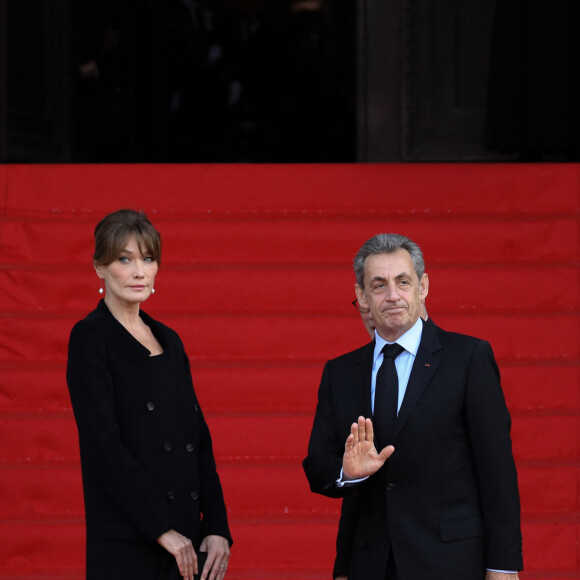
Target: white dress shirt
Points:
(403, 363)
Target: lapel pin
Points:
(427, 365)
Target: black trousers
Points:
(391, 567)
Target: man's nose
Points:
(391, 292)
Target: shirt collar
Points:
(409, 341)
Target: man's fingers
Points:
(362, 429)
(354, 431)
(386, 452)
(360, 432)
(349, 442)
(369, 430)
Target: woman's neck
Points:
(126, 313)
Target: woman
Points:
(153, 498)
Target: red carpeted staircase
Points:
(256, 278)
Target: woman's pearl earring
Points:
(152, 290)
(101, 288)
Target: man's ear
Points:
(360, 295)
(424, 287)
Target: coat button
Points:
(390, 486)
(189, 447)
(167, 446)
(170, 494)
(193, 495)
(151, 406)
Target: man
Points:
(344, 537)
(437, 497)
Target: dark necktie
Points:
(386, 396)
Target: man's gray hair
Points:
(387, 244)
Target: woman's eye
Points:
(123, 259)
(149, 259)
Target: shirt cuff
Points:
(341, 483)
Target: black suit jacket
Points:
(446, 503)
(146, 451)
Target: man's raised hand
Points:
(360, 458)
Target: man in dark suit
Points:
(349, 509)
(437, 494)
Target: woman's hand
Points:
(218, 554)
(182, 548)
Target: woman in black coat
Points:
(153, 498)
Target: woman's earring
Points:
(152, 290)
(101, 288)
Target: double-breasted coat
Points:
(446, 503)
(146, 452)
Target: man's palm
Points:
(361, 458)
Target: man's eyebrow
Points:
(397, 277)
(378, 279)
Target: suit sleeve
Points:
(326, 448)
(212, 504)
(120, 475)
(489, 424)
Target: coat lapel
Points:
(363, 377)
(424, 368)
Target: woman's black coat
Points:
(146, 451)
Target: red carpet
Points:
(256, 277)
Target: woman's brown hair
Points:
(113, 231)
